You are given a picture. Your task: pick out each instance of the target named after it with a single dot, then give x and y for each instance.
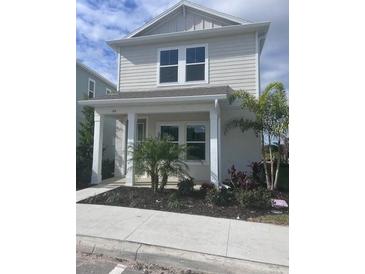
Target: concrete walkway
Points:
(106, 185)
(242, 240)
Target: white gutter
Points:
(129, 101)
(183, 35)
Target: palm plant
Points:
(171, 164)
(271, 112)
(158, 158)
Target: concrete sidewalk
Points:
(255, 242)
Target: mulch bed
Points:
(142, 197)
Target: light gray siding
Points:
(82, 80)
(232, 61)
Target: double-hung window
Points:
(195, 64)
(91, 88)
(169, 66)
(183, 65)
(195, 142)
(171, 132)
(141, 130)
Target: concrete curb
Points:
(173, 257)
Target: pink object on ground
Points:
(278, 203)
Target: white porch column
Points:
(97, 148)
(132, 128)
(214, 149)
(120, 147)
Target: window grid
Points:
(183, 65)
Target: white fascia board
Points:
(261, 27)
(191, 5)
(129, 101)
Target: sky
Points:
(98, 21)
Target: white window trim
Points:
(181, 70)
(88, 88)
(108, 91)
(182, 125)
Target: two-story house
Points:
(90, 84)
(174, 76)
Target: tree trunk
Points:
(271, 166)
(264, 159)
(164, 181)
(277, 168)
(154, 181)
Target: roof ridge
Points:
(191, 5)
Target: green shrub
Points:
(205, 188)
(222, 197)
(107, 169)
(255, 198)
(173, 201)
(186, 186)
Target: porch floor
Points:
(140, 182)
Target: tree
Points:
(271, 112)
(158, 158)
(84, 151)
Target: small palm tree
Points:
(158, 158)
(271, 112)
(171, 164)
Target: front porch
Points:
(193, 120)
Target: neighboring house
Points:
(174, 74)
(90, 84)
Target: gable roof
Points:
(159, 18)
(96, 74)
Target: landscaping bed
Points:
(194, 203)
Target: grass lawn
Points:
(278, 219)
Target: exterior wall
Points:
(82, 80)
(236, 148)
(192, 20)
(200, 171)
(239, 149)
(232, 61)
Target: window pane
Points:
(168, 74)
(200, 55)
(168, 57)
(195, 133)
(171, 132)
(91, 86)
(195, 55)
(195, 72)
(195, 152)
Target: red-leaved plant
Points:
(240, 179)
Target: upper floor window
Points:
(169, 66)
(91, 88)
(108, 91)
(183, 65)
(195, 64)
